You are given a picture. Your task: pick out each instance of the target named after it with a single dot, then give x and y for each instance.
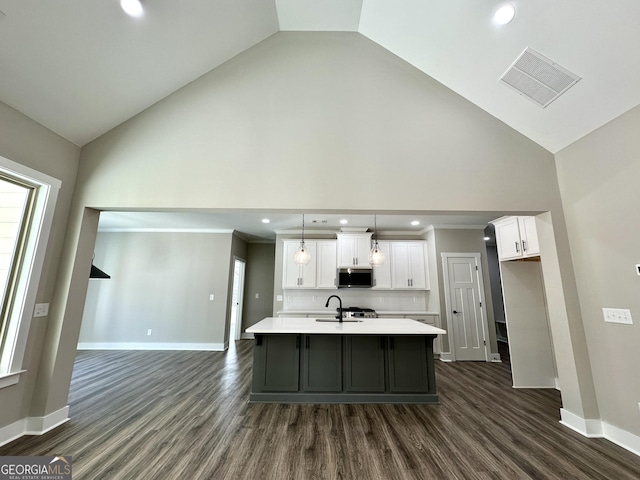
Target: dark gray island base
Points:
(334, 368)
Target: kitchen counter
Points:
(365, 326)
(381, 313)
(374, 360)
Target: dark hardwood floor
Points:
(185, 415)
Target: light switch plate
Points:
(41, 310)
(617, 315)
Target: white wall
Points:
(598, 177)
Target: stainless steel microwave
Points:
(355, 277)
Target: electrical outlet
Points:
(278, 298)
(617, 315)
(381, 299)
(149, 332)
(257, 295)
(211, 296)
(41, 310)
(314, 298)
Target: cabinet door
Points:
(418, 278)
(326, 264)
(347, 245)
(382, 273)
(364, 363)
(308, 271)
(353, 249)
(399, 265)
(322, 363)
(363, 248)
(408, 366)
(529, 236)
(291, 273)
(296, 276)
(508, 239)
(276, 363)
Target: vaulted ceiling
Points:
(81, 67)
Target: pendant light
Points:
(302, 255)
(376, 257)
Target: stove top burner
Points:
(359, 312)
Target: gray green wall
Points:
(162, 282)
(598, 177)
(26, 142)
(449, 240)
(259, 275)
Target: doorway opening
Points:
(237, 298)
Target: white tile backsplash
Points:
(379, 300)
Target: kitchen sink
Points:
(335, 320)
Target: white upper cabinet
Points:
(516, 237)
(326, 265)
(353, 249)
(320, 272)
(297, 276)
(382, 273)
(409, 266)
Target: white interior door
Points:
(237, 298)
(465, 306)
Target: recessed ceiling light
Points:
(132, 8)
(504, 14)
(265, 220)
(415, 222)
(344, 221)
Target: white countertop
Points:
(368, 326)
(380, 313)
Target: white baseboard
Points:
(247, 336)
(40, 425)
(446, 357)
(12, 432)
(599, 429)
(214, 347)
(33, 426)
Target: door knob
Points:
(456, 312)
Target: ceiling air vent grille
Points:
(538, 78)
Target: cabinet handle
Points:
(524, 245)
(517, 247)
(306, 342)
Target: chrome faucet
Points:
(339, 315)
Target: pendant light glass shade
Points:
(302, 255)
(376, 257)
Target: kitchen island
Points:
(368, 360)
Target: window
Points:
(27, 203)
(16, 202)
